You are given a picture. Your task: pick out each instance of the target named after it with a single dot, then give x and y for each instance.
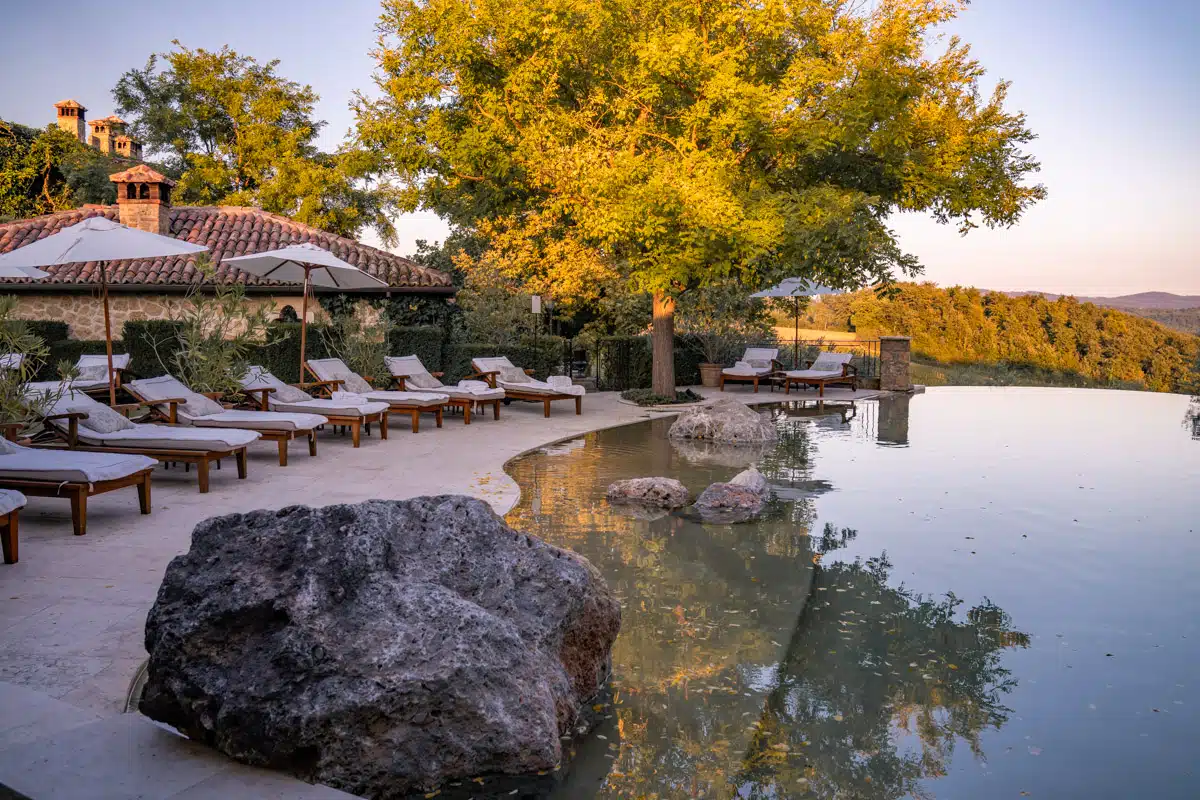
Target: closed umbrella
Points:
(796, 288)
(101, 240)
(308, 264)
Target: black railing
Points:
(866, 354)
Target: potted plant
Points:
(720, 321)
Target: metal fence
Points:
(866, 354)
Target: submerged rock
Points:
(723, 421)
(381, 648)
(741, 499)
(651, 492)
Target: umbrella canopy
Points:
(96, 239)
(308, 264)
(796, 288)
(299, 263)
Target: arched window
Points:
(130, 192)
(143, 191)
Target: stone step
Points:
(51, 749)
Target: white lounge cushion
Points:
(827, 361)
(493, 364)
(767, 354)
(100, 418)
(334, 369)
(166, 387)
(11, 360)
(416, 376)
(260, 420)
(814, 373)
(32, 463)
(10, 501)
(120, 361)
(419, 399)
(477, 391)
(171, 437)
(541, 387)
(259, 378)
(747, 370)
(324, 406)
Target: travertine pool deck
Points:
(72, 610)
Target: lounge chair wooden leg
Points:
(578, 405)
(241, 462)
(438, 414)
(312, 442)
(283, 443)
(79, 510)
(787, 387)
(756, 385)
(356, 433)
(202, 474)
(721, 383)
(821, 389)
(467, 412)
(143, 488)
(416, 421)
(383, 425)
(495, 409)
(546, 404)
(9, 539)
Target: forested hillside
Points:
(967, 326)
(1181, 319)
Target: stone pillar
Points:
(895, 358)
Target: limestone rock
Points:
(381, 648)
(652, 492)
(743, 498)
(726, 420)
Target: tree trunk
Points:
(662, 338)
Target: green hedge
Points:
(139, 338)
(625, 361)
(545, 357)
(425, 341)
(48, 330)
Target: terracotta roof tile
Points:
(226, 231)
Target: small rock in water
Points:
(741, 499)
(726, 420)
(654, 492)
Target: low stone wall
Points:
(895, 363)
(85, 314)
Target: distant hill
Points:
(1158, 301)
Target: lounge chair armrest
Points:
(529, 371)
(260, 396)
(487, 377)
(67, 415)
(318, 384)
(11, 429)
(398, 381)
(213, 395)
(438, 374)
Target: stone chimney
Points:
(128, 147)
(144, 199)
(102, 135)
(72, 118)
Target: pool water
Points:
(971, 593)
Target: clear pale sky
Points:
(1111, 88)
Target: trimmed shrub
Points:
(424, 341)
(282, 356)
(48, 330)
(626, 362)
(151, 344)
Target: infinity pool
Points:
(971, 593)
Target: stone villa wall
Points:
(85, 314)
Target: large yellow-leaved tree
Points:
(671, 144)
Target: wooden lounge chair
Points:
(74, 474)
(11, 503)
(826, 370)
(74, 422)
(756, 364)
(178, 405)
(518, 384)
(272, 394)
(336, 378)
(410, 375)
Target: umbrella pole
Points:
(796, 335)
(112, 389)
(303, 324)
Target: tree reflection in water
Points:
(745, 670)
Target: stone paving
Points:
(73, 609)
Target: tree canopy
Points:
(42, 171)
(239, 133)
(671, 144)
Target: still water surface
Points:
(972, 593)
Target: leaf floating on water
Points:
(1035, 751)
(837, 717)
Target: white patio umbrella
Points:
(308, 264)
(796, 288)
(101, 240)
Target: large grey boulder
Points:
(742, 498)
(651, 492)
(726, 420)
(381, 648)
